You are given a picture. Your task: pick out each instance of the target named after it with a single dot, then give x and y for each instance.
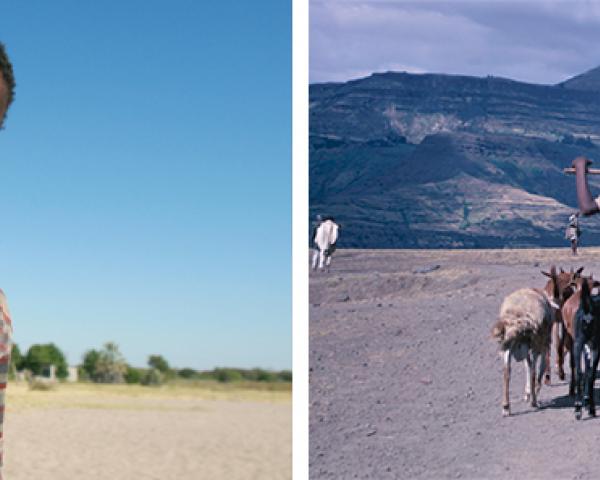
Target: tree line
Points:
(108, 365)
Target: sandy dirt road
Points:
(405, 381)
(120, 433)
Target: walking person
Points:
(7, 87)
(573, 232)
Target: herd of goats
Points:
(567, 307)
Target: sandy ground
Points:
(93, 433)
(405, 381)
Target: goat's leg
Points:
(591, 379)
(577, 351)
(586, 373)
(531, 364)
(542, 369)
(547, 367)
(321, 259)
(327, 264)
(528, 382)
(315, 258)
(569, 345)
(553, 331)
(505, 390)
(559, 340)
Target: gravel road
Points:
(405, 381)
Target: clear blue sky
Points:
(146, 179)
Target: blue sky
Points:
(146, 179)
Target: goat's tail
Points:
(510, 328)
(498, 330)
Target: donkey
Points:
(325, 238)
(586, 337)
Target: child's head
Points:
(7, 83)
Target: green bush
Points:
(266, 376)
(226, 375)
(187, 373)
(133, 375)
(153, 377)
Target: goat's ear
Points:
(546, 273)
(579, 270)
(562, 271)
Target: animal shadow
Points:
(566, 401)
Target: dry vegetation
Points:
(182, 431)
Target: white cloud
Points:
(536, 41)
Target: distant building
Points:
(73, 374)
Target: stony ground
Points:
(405, 381)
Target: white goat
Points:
(325, 237)
(523, 332)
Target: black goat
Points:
(587, 338)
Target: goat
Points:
(523, 332)
(565, 290)
(325, 238)
(581, 314)
(567, 319)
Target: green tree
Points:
(153, 377)
(89, 364)
(110, 365)
(16, 358)
(158, 362)
(133, 375)
(39, 358)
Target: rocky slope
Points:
(407, 160)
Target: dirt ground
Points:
(405, 381)
(96, 433)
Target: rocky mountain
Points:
(427, 160)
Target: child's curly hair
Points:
(7, 73)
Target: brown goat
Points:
(565, 290)
(568, 312)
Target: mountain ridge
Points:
(389, 154)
